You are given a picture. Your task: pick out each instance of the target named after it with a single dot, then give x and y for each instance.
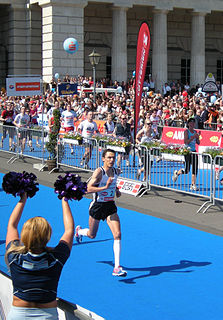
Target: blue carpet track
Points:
(174, 272)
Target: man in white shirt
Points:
(87, 128)
(67, 117)
(67, 121)
(22, 121)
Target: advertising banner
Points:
(66, 89)
(208, 138)
(26, 86)
(143, 45)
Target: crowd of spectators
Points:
(172, 107)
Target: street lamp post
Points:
(94, 58)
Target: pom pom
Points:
(70, 187)
(17, 183)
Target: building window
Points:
(185, 71)
(108, 67)
(148, 69)
(220, 71)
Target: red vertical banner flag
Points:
(143, 45)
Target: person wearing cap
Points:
(191, 138)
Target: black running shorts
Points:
(101, 210)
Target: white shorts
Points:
(18, 313)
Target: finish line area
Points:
(174, 272)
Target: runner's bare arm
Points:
(95, 179)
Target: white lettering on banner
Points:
(129, 187)
(178, 135)
(140, 71)
(145, 44)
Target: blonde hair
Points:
(36, 233)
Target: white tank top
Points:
(110, 127)
(108, 194)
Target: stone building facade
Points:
(186, 38)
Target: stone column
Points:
(17, 39)
(62, 20)
(119, 44)
(159, 48)
(197, 68)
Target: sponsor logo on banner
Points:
(65, 89)
(129, 187)
(26, 86)
(210, 84)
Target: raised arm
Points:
(12, 230)
(68, 224)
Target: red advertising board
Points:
(207, 137)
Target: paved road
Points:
(165, 204)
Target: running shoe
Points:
(82, 163)
(119, 272)
(193, 187)
(31, 149)
(78, 238)
(127, 163)
(221, 181)
(175, 176)
(71, 151)
(38, 145)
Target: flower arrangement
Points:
(152, 144)
(73, 136)
(168, 148)
(98, 137)
(214, 152)
(175, 149)
(119, 142)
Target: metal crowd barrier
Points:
(13, 137)
(82, 154)
(150, 167)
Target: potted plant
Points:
(51, 145)
(213, 152)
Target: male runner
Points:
(103, 185)
(87, 128)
